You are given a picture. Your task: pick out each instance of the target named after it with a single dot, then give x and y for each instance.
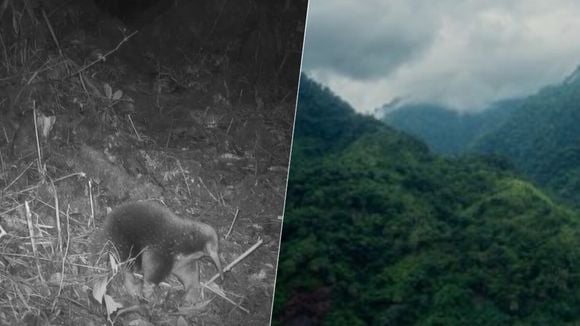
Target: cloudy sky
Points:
(461, 53)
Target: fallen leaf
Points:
(118, 94)
(182, 322)
(99, 289)
(108, 90)
(111, 304)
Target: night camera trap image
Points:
(144, 150)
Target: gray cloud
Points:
(362, 40)
(464, 54)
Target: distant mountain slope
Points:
(445, 130)
(543, 138)
(330, 121)
(328, 124)
(378, 231)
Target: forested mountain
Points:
(447, 131)
(543, 138)
(379, 231)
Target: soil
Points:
(187, 102)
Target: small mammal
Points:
(161, 243)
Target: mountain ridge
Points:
(543, 139)
(445, 130)
(378, 230)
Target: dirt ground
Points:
(187, 102)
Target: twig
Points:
(225, 298)
(216, 21)
(227, 90)
(184, 178)
(52, 32)
(57, 215)
(212, 196)
(234, 221)
(20, 295)
(82, 174)
(99, 269)
(92, 217)
(30, 227)
(83, 85)
(104, 57)
(6, 57)
(133, 125)
(235, 262)
(2, 161)
(40, 170)
(227, 268)
(50, 206)
(279, 70)
(230, 126)
(86, 81)
(32, 238)
(19, 176)
(2, 232)
(169, 134)
(63, 258)
(34, 74)
(9, 210)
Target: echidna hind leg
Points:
(133, 285)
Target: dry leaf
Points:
(108, 90)
(111, 304)
(118, 94)
(99, 289)
(182, 322)
(45, 123)
(2, 232)
(55, 278)
(140, 322)
(113, 262)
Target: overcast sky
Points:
(461, 53)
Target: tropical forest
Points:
(455, 226)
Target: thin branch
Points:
(19, 176)
(235, 262)
(134, 129)
(40, 169)
(234, 221)
(184, 178)
(225, 298)
(52, 32)
(57, 215)
(92, 217)
(104, 57)
(212, 196)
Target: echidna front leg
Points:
(156, 266)
(187, 271)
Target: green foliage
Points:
(541, 138)
(447, 131)
(402, 237)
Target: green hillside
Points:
(543, 139)
(447, 131)
(379, 231)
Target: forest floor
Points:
(92, 119)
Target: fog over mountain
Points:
(460, 54)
